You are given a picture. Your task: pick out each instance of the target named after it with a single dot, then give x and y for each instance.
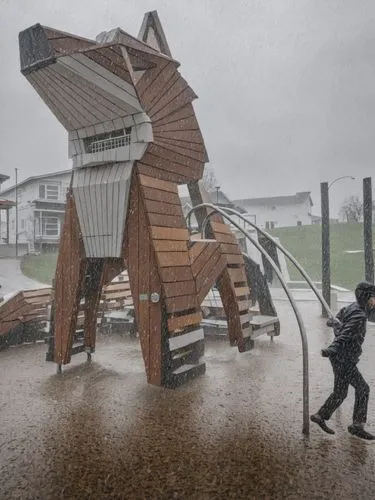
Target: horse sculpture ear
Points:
(152, 33)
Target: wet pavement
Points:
(99, 431)
(12, 280)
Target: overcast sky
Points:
(286, 87)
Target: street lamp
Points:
(326, 257)
(339, 178)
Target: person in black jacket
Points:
(344, 353)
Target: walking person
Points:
(344, 353)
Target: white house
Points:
(41, 209)
(279, 211)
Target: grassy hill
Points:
(303, 242)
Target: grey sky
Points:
(286, 87)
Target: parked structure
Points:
(41, 209)
(279, 211)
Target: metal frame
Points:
(305, 356)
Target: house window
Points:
(48, 191)
(109, 140)
(50, 226)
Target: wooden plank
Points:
(163, 196)
(110, 60)
(37, 293)
(186, 111)
(220, 227)
(165, 154)
(196, 249)
(172, 274)
(234, 258)
(159, 86)
(157, 207)
(151, 182)
(237, 275)
(185, 97)
(210, 277)
(183, 149)
(180, 288)
(171, 166)
(162, 174)
(170, 246)
(189, 136)
(144, 287)
(183, 303)
(242, 291)
(156, 324)
(231, 249)
(204, 257)
(180, 322)
(149, 77)
(226, 238)
(175, 87)
(171, 221)
(189, 123)
(205, 273)
(164, 233)
(173, 259)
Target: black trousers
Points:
(346, 374)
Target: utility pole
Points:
(326, 259)
(16, 170)
(367, 230)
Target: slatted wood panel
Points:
(102, 197)
(70, 270)
(143, 276)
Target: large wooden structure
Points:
(133, 138)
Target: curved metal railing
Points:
(305, 357)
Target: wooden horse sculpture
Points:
(133, 138)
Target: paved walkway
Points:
(12, 280)
(99, 431)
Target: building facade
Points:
(279, 211)
(40, 210)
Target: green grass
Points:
(40, 267)
(305, 244)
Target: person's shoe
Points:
(317, 419)
(360, 432)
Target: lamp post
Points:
(217, 194)
(16, 171)
(326, 255)
(367, 229)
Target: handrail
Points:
(278, 245)
(305, 358)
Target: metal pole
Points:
(367, 229)
(16, 169)
(305, 354)
(326, 265)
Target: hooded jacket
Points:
(350, 335)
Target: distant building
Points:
(279, 211)
(41, 209)
(5, 207)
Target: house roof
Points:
(36, 177)
(6, 203)
(218, 198)
(3, 178)
(294, 199)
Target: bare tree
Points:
(352, 209)
(209, 179)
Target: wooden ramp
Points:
(25, 307)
